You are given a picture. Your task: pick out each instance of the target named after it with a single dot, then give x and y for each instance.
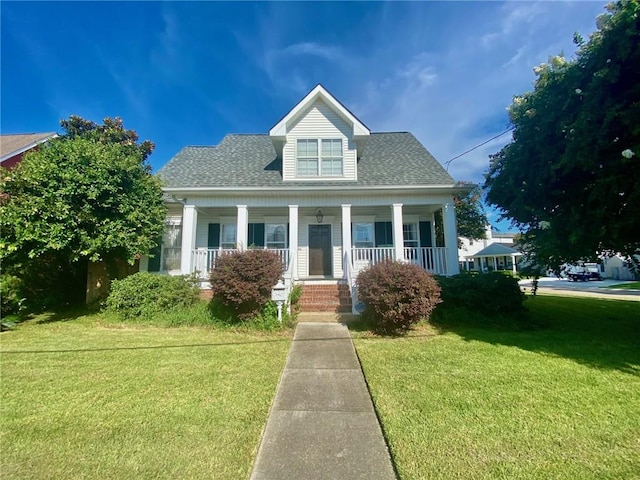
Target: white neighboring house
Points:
(320, 189)
(616, 268)
(495, 252)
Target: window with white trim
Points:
(276, 235)
(326, 161)
(363, 235)
(410, 234)
(171, 247)
(228, 235)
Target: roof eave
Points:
(18, 151)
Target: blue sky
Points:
(188, 73)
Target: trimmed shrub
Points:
(397, 295)
(143, 294)
(11, 295)
(242, 281)
(488, 293)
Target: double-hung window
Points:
(410, 234)
(319, 157)
(171, 247)
(331, 158)
(228, 236)
(276, 236)
(307, 158)
(362, 235)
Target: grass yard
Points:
(561, 401)
(626, 286)
(86, 398)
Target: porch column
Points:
(450, 238)
(398, 237)
(293, 241)
(189, 224)
(513, 264)
(346, 239)
(242, 228)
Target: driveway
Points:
(594, 288)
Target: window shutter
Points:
(213, 240)
(154, 262)
(256, 234)
(383, 234)
(288, 233)
(425, 234)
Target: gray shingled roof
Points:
(251, 161)
(495, 250)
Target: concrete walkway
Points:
(322, 423)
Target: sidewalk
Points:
(322, 424)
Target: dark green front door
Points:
(320, 250)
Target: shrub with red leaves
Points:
(242, 281)
(397, 295)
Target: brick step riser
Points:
(326, 298)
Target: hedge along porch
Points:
(322, 190)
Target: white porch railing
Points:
(204, 259)
(432, 259)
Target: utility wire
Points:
(447, 163)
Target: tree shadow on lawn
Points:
(64, 314)
(594, 332)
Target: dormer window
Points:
(319, 157)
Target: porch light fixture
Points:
(319, 216)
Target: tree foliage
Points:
(570, 178)
(470, 215)
(86, 195)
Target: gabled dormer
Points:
(319, 139)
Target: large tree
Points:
(87, 195)
(570, 178)
(470, 215)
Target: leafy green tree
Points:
(87, 195)
(470, 215)
(471, 219)
(570, 178)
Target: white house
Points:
(494, 252)
(320, 189)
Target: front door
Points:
(320, 250)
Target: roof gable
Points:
(281, 128)
(14, 144)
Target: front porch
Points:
(330, 243)
(432, 259)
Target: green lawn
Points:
(629, 286)
(84, 398)
(561, 402)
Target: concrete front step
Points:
(326, 317)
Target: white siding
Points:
(336, 230)
(320, 121)
(303, 247)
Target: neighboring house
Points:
(616, 268)
(320, 189)
(495, 252)
(13, 147)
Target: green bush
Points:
(397, 295)
(488, 293)
(11, 295)
(143, 294)
(242, 281)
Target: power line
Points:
(447, 163)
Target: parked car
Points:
(582, 273)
